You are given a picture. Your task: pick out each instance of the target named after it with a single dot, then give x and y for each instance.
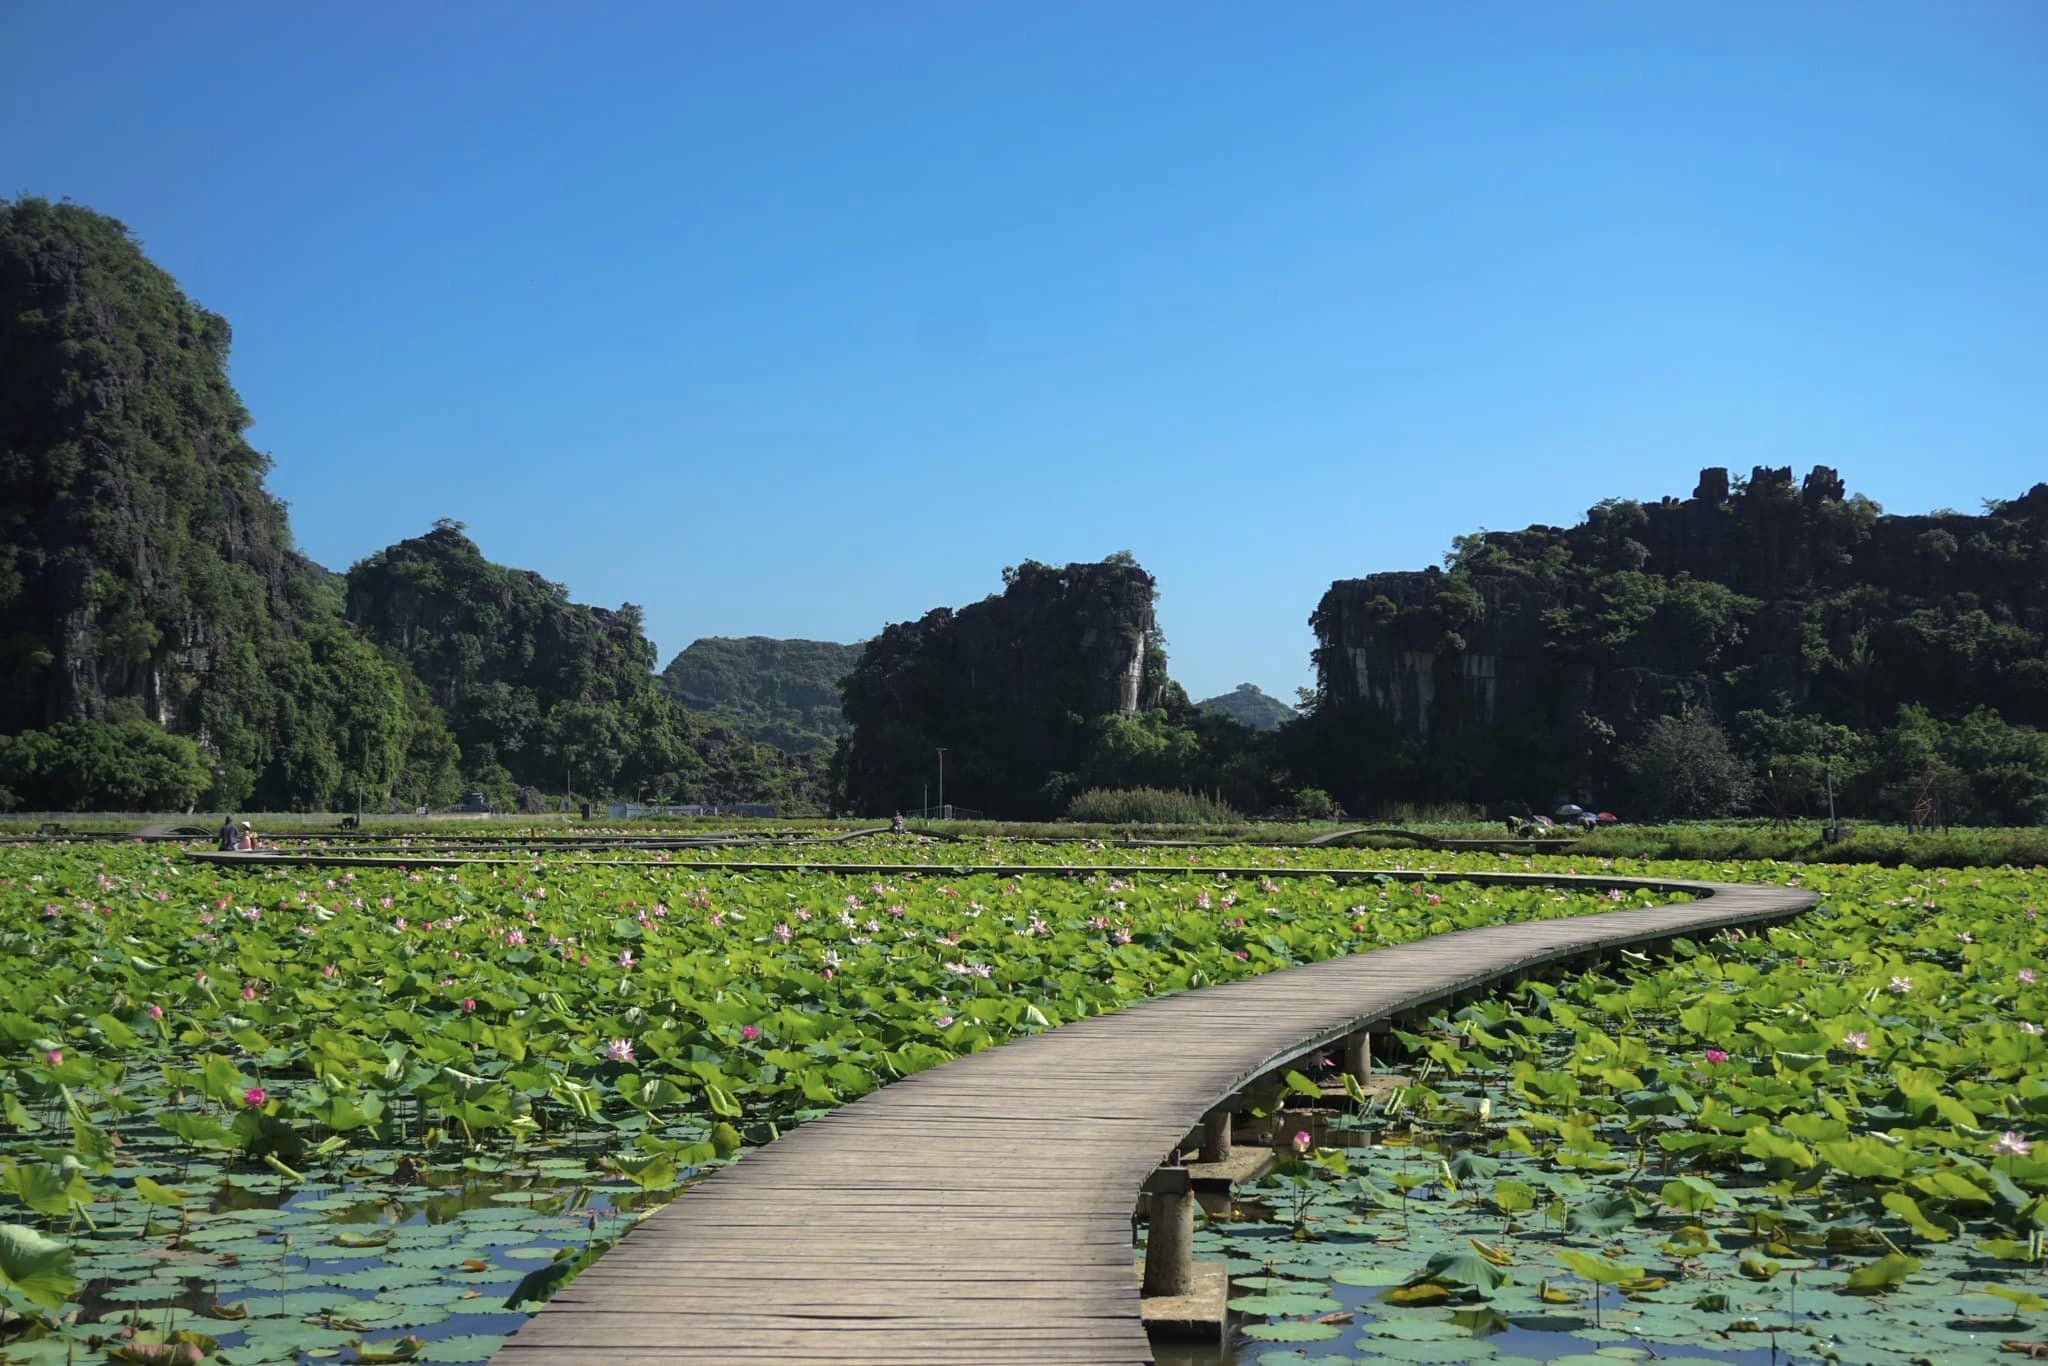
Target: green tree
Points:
(126, 764)
(1682, 767)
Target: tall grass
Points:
(1147, 806)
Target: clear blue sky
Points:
(799, 319)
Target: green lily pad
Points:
(1293, 1330)
(1375, 1274)
(1283, 1304)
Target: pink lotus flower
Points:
(943, 1021)
(749, 1033)
(1302, 1141)
(2026, 977)
(2010, 1144)
(1122, 935)
(1901, 985)
(782, 934)
(468, 1004)
(329, 970)
(619, 1050)
(626, 958)
(1715, 1057)
(199, 978)
(248, 993)
(156, 1012)
(253, 1097)
(1856, 1041)
(55, 1057)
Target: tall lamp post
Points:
(942, 779)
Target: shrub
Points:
(1312, 803)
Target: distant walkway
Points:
(980, 1212)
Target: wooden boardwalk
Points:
(981, 1211)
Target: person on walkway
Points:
(250, 844)
(230, 838)
(896, 826)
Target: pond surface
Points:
(276, 1271)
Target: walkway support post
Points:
(1170, 1233)
(1216, 1134)
(1358, 1057)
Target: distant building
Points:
(626, 811)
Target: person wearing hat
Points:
(249, 841)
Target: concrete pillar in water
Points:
(1216, 1134)
(1358, 1056)
(1170, 1234)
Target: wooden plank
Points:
(981, 1211)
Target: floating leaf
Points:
(37, 1268)
(1292, 1330)
(1597, 1269)
(1886, 1273)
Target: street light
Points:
(942, 779)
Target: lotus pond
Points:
(302, 1114)
(1811, 1145)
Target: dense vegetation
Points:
(537, 690)
(1247, 705)
(780, 692)
(1820, 1137)
(1796, 632)
(290, 1111)
(146, 577)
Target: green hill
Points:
(781, 692)
(1248, 706)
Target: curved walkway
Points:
(981, 1211)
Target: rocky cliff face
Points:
(126, 476)
(1746, 592)
(515, 666)
(1011, 686)
(466, 624)
(142, 563)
